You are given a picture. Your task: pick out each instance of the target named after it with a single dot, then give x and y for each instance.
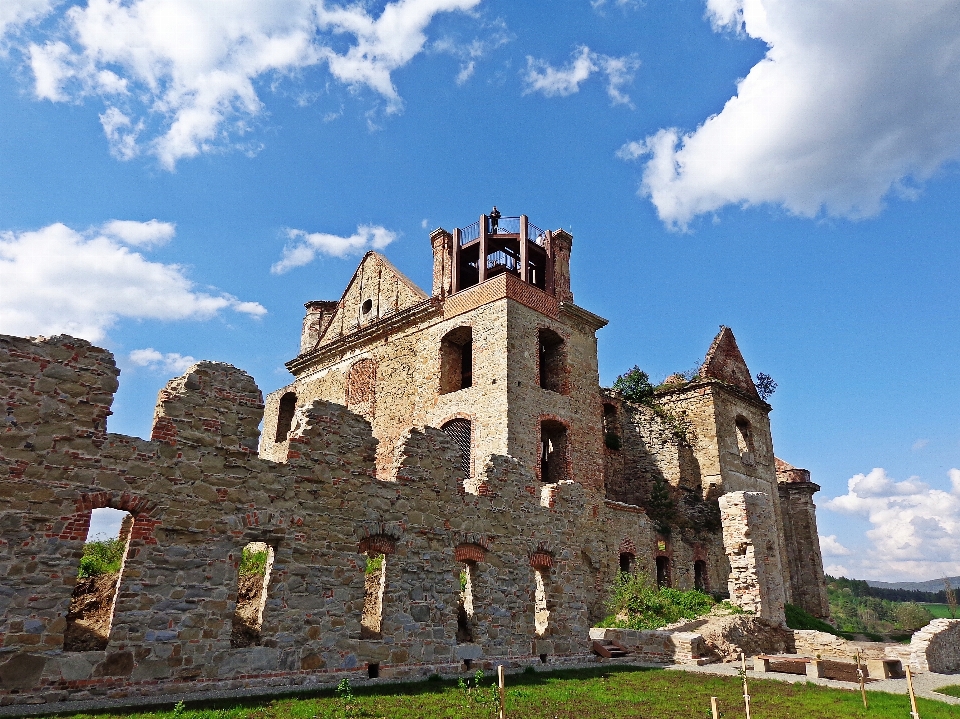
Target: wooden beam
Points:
(523, 248)
(455, 267)
(482, 264)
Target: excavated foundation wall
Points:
(199, 493)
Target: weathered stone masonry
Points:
(462, 432)
(199, 494)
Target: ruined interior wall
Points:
(750, 537)
(199, 495)
(936, 647)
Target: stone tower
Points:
(498, 355)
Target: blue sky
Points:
(786, 168)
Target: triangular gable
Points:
(376, 280)
(725, 363)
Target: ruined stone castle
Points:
(460, 438)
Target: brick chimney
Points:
(560, 246)
(442, 242)
(319, 314)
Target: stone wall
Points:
(936, 647)
(658, 646)
(199, 493)
(750, 538)
(808, 589)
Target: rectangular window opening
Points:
(94, 597)
(253, 579)
(374, 584)
(465, 633)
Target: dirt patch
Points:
(91, 610)
(246, 618)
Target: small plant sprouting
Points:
(179, 709)
(345, 696)
(374, 564)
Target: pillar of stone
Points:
(442, 243)
(750, 541)
(801, 540)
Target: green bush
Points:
(634, 385)
(797, 618)
(253, 561)
(911, 616)
(374, 564)
(646, 606)
(102, 556)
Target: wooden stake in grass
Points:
(746, 693)
(500, 684)
(913, 699)
(714, 708)
(863, 690)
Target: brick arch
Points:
(628, 547)
(77, 525)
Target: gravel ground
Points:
(923, 684)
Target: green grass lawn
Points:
(601, 693)
(940, 611)
(952, 690)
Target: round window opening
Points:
(366, 306)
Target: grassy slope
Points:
(941, 611)
(599, 693)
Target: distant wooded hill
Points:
(929, 591)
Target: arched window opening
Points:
(553, 452)
(745, 440)
(456, 360)
(253, 578)
(541, 611)
(94, 597)
(288, 406)
(700, 580)
(366, 308)
(460, 431)
(611, 427)
(663, 572)
(627, 562)
(374, 584)
(465, 633)
(553, 361)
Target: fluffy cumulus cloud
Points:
(542, 77)
(158, 361)
(17, 13)
(830, 547)
(303, 247)
(57, 280)
(915, 527)
(178, 77)
(853, 101)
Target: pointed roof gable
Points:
(725, 363)
(375, 279)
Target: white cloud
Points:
(305, 246)
(182, 73)
(140, 234)
(830, 547)
(493, 34)
(852, 101)
(57, 280)
(16, 13)
(560, 82)
(915, 528)
(919, 444)
(622, 4)
(837, 570)
(157, 361)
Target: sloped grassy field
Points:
(601, 693)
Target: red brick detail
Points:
(628, 547)
(541, 560)
(469, 553)
(532, 297)
(164, 430)
(377, 544)
(213, 425)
